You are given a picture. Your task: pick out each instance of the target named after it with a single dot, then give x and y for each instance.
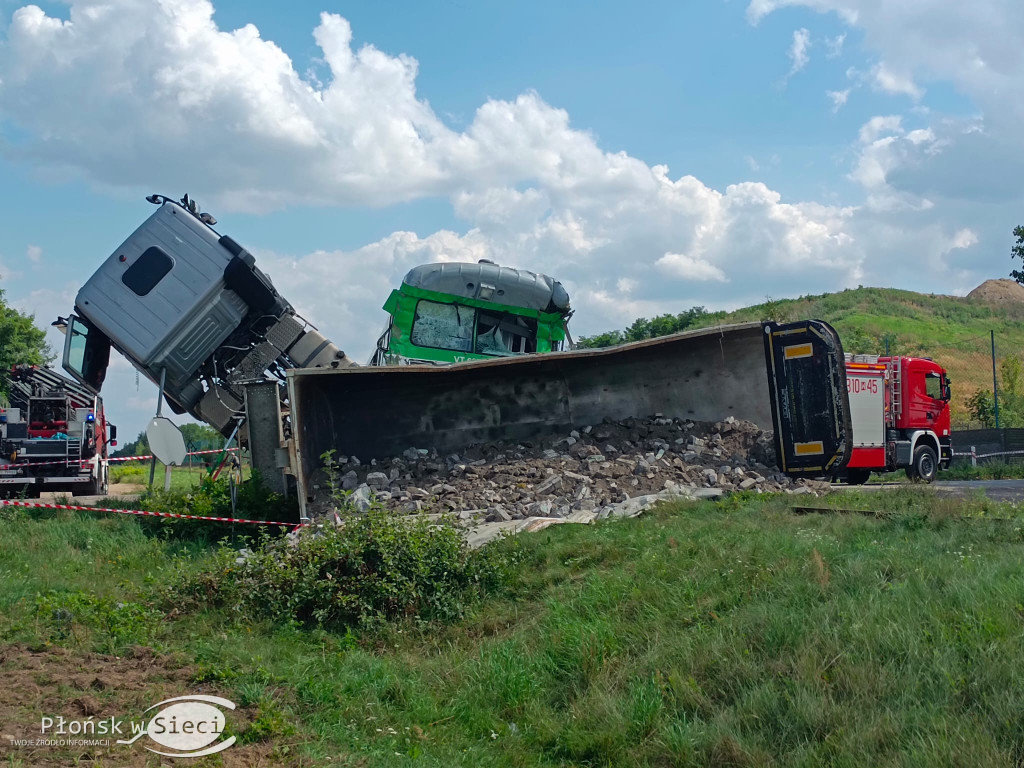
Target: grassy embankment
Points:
(737, 633)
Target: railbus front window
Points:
(443, 326)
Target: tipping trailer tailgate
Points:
(810, 404)
(704, 375)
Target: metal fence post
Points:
(995, 384)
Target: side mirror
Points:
(113, 443)
(113, 434)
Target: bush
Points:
(127, 474)
(212, 498)
(375, 567)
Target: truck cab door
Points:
(86, 353)
(810, 404)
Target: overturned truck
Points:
(191, 311)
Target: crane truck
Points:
(899, 410)
(54, 436)
(189, 308)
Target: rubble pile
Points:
(616, 468)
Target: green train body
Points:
(452, 312)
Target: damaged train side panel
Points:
(705, 375)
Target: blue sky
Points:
(810, 145)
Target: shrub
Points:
(127, 474)
(375, 567)
(210, 498)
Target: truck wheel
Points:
(857, 476)
(925, 465)
(98, 487)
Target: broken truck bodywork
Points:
(785, 378)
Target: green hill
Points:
(952, 330)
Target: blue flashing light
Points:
(90, 417)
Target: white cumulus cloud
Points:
(689, 268)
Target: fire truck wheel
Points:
(857, 476)
(925, 465)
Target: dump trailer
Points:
(54, 436)
(191, 311)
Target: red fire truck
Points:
(900, 412)
(54, 436)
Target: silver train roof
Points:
(491, 282)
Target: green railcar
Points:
(452, 312)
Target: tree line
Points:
(642, 328)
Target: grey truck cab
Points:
(188, 307)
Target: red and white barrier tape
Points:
(144, 512)
(193, 453)
(120, 458)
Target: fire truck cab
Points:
(899, 408)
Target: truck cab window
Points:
(933, 386)
(443, 326)
(148, 270)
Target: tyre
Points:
(925, 466)
(857, 476)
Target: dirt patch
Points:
(78, 685)
(1002, 291)
(127, 489)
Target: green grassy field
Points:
(738, 633)
(137, 473)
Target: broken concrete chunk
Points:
(549, 485)
(360, 498)
(497, 514)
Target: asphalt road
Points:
(997, 490)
